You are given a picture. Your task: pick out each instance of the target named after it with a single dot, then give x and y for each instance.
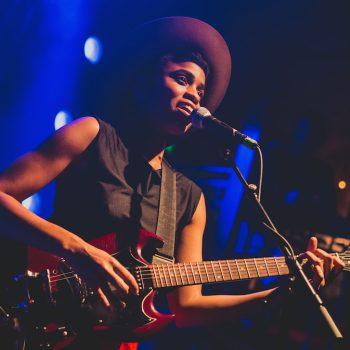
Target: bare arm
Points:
(31, 173)
(191, 308)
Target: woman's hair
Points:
(183, 56)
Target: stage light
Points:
(32, 203)
(93, 49)
(342, 184)
(62, 118)
(291, 197)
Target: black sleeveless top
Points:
(111, 188)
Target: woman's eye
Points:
(182, 79)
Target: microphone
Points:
(202, 118)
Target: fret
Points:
(155, 276)
(262, 272)
(160, 276)
(164, 274)
(175, 273)
(182, 280)
(171, 281)
(271, 266)
(267, 269)
(251, 269)
(256, 267)
(278, 270)
(239, 273)
(263, 267)
(193, 274)
(245, 262)
(229, 269)
(206, 271)
(188, 280)
(219, 275)
(200, 273)
(214, 274)
(222, 273)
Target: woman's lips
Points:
(187, 109)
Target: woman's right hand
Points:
(101, 271)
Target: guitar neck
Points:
(185, 274)
(191, 273)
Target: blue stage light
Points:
(291, 197)
(234, 192)
(62, 118)
(93, 50)
(33, 203)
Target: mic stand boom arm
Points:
(291, 259)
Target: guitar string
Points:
(152, 269)
(253, 265)
(176, 272)
(271, 264)
(270, 260)
(343, 256)
(191, 279)
(151, 272)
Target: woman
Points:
(108, 175)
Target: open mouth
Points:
(185, 108)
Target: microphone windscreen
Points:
(197, 117)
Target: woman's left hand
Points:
(325, 266)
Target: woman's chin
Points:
(179, 128)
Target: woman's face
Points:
(171, 98)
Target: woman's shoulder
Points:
(88, 130)
(84, 128)
(75, 137)
(87, 123)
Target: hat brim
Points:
(170, 34)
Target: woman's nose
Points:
(193, 95)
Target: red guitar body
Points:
(76, 310)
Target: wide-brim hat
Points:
(170, 35)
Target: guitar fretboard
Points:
(183, 274)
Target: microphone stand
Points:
(291, 259)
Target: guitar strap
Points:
(166, 223)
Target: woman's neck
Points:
(156, 161)
(147, 141)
